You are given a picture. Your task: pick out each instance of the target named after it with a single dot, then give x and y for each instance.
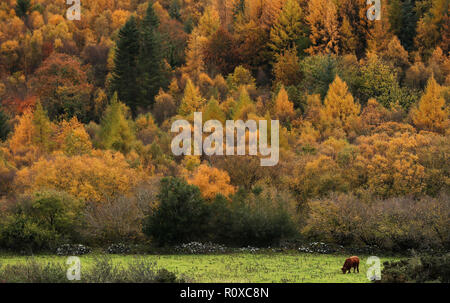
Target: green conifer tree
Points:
(125, 73)
(4, 125)
(152, 74)
(23, 7)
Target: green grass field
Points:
(241, 268)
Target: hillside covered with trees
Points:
(86, 108)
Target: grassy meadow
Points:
(239, 267)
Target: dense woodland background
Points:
(86, 108)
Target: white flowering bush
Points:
(249, 249)
(118, 248)
(319, 248)
(200, 248)
(72, 250)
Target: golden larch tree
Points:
(195, 63)
(431, 113)
(192, 100)
(284, 109)
(340, 109)
(323, 21)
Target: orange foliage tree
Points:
(212, 181)
(94, 177)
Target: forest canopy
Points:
(86, 108)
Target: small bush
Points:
(182, 215)
(40, 221)
(102, 271)
(33, 272)
(419, 269)
(165, 276)
(138, 271)
(119, 219)
(395, 224)
(255, 219)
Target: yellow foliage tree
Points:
(339, 111)
(214, 112)
(313, 108)
(209, 22)
(192, 100)
(22, 136)
(390, 164)
(7, 174)
(42, 128)
(432, 114)
(195, 63)
(31, 137)
(324, 25)
(284, 109)
(72, 138)
(319, 177)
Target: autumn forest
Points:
(86, 109)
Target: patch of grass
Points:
(238, 268)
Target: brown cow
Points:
(352, 262)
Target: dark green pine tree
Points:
(125, 73)
(409, 24)
(4, 125)
(395, 16)
(22, 8)
(403, 20)
(152, 73)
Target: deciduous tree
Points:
(212, 181)
(432, 114)
(283, 109)
(192, 100)
(95, 177)
(323, 22)
(61, 84)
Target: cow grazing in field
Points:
(352, 262)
